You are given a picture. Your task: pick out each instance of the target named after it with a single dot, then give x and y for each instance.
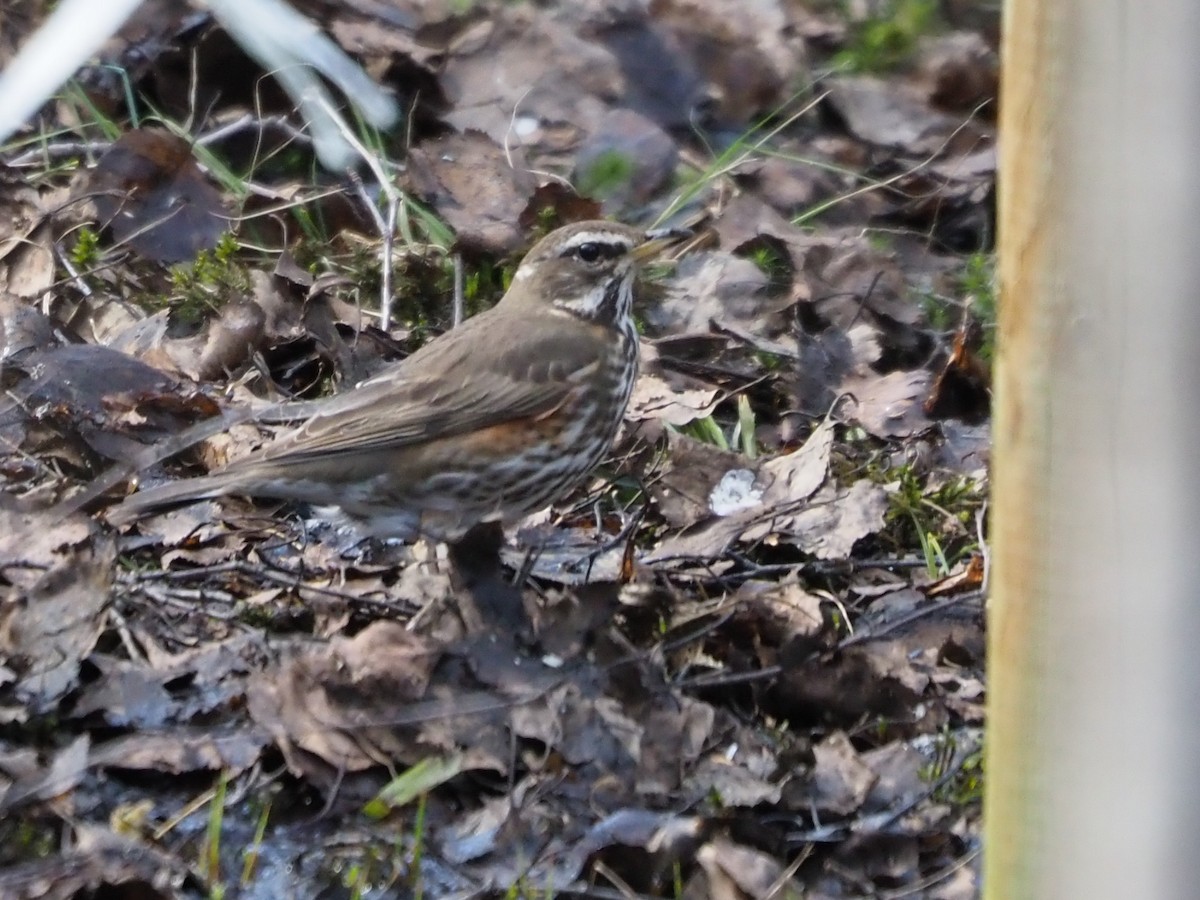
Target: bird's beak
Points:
(656, 242)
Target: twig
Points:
(728, 679)
(459, 300)
(270, 573)
(249, 122)
(42, 152)
(876, 823)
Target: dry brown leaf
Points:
(674, 736)
(978, 166)
(654, 397)
(625, 161)
(965, 449)
(692, 471)
(471, 183)
(65, 771)
(735, 872)
(184, 750)
(724, 61)
(824, 360)
(962, 71)
(782, 610)
(899, 775)
(841, 689)
(835, 519)
(893, 114)
(23, 329)
(962, 694)
(840, 781)
(527, 80)
(889, 406)
(335, 702)
(477, 833)
(733, 783)
(26, 243)
(554, 204)
(107, 400)
(48, 628)
(125, 695)
(793, 186)
(149, 190)
(28, 270)
(712, 286)
(233, 336)
(885, 858)
(795, 476)
(748, 218)
(599, 730)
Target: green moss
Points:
(770, 362)
(86, 253)
(260, 618)
(26, 840)
(606, 176)
(938, 520)
(888, 38)
(978, 283)
(974, 289)
(774, 263)
(965, 786)
(207, 283)
(484, 285)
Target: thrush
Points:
(489, 422)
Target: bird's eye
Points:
(589, 252)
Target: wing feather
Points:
(455, 385)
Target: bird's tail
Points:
(188, 489)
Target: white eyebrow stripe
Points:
(598, 237)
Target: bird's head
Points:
(587, 269)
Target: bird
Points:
(487, 423)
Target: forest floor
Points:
(759, 658)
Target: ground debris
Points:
(754, 661)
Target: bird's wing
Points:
(469, 379)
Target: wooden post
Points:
(1093, 749)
